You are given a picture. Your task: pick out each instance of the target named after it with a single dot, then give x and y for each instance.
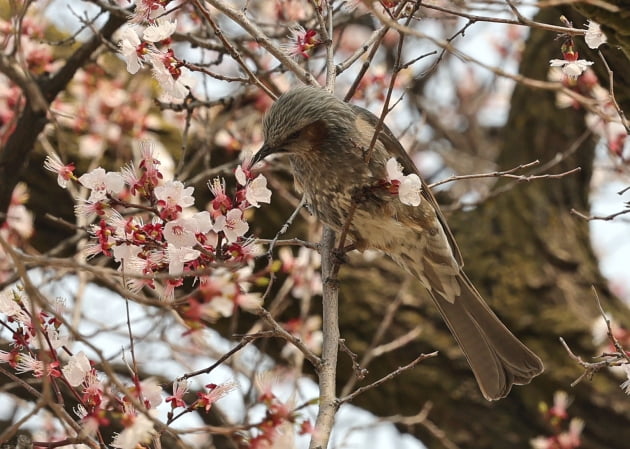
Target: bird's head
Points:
(301, 120)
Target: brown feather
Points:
(328, 141)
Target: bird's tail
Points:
(497, 358)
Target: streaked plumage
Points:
(326, 140)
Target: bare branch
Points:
(327, 370)
(388, 377)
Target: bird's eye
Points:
(294, 135)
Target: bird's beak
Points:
(264, 151)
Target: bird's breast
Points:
(332, 185)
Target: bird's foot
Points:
(340, 255)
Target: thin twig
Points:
(622, 352)
(611, 81)
(231, 49)
(245, 340)
(263, 40)
(282, 333)
(388, 377)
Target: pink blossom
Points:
(250, 302)
(149, 164)
(571, 439)
(26, 363)
(147, 265)
(89, 422)
(302, 42)
(85, 208)
(92, 389)
(214, 393)
(103, 233)
(221, 202)
(560, 404)
(11, 357)
(180, 388)
(148, 9)
(264, 382)
(168, 292)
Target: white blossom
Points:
(173, 193)
(176, 87)
(178, 256)
(183, 231)
(410, 186)
(625, 386)
(572, 69)
(239, 174)
(76, 369)
(151, 391)
(140, 431)
(64, 172)
(594, 36)
(394, 169)
(160, 30)
(257, 191)
(101, 183)
(128, 45)
(125, 252)
(232, 225)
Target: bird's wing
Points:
(393, 146)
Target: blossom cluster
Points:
(170, 236)
(571, 66)
(38, 347)
(603, 118)
(37, 58)
(275, 429)
(153, 47)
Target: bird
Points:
(343, 180)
